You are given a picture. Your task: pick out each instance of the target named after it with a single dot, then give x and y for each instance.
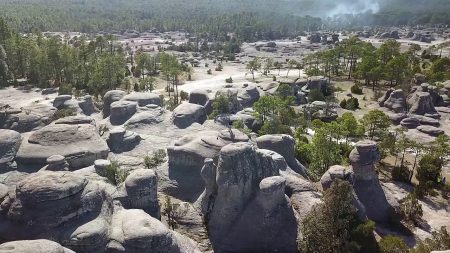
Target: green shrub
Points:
(392, 244)
(411, 210)
(65, 89)
(229, 80)
(114, 174)
(355, 89)
(315, 95)
(209, 72)
(62, 113)
(400, 174)
(184, 95)
(158, 157)
(240, 125)
(439, 241)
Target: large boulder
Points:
(62, 206)
(201, 97)
(148, 117)
(140, 192)
(421, 103)
(120, 140)
(248, 94)
(134, 231)
(396, 102)
(27, 118)
(9, 145)
(109, 98)
(285, 146)
(378, 204)
(247, 209)
(121, 111)
(186, 114)
(33, 246)
(410, 123)
(430, 130)
(143, 98)
(186, 157)
(80, 144)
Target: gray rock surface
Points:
(143, 98)
(378, 204)
(120, 140)
(285, 146)
(56, 163)
(243, 197)
(9, 145)
(109, 98)
(27, 118)
(186, 114)
(396, 101)
(410, 122)
(430, 130)
(33, 246)
(121, 111)
(81, 145)
(421, 103)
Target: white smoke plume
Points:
(353, 7)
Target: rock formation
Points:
(186, 114)
(109, 98)
(9, 144)
(421, 103)
(244, 189)
(120, 140)
(396, 101)
(379, 206)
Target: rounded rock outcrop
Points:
(186, 114)
(121, 111)
(109, 98)
(143, 98)
(9, 145)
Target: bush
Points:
(229, 80)
(274, 78)
(184, 95)
(392, 244)
(439, 241)
(315, 95)
(355, 89)
(65, 89)
(157, 158)
(350, 104)
(114, 174)
(428, 171)
(62, 113)
(219, 67)
(411, 210)
(400, 174)
(209, 72)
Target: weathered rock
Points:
(134, 231)
(336, 172)
(201, 97)
(247, 116)
(285, 146)
(9, 145)
(120, 140)
(385, 97)
(81, 145)
(87, 105)
(248, 192)
(122, 111)
(379, 205)
(143, 98)
(56, 163)
(34, 246)
(430, 130)
(419, 79)
(60, 100)
(109, 98)
(186, 114)
(75, 120)
(410, 122)
(187, 155)
(421, 104)
(151, 116)
(248, 94)
(424, 120)
(26, 119)
(140, 192)
(396, 118)
(396, 102)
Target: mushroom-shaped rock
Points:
(136, 231)
(151, 116)
(33, 246)
(430, 130)
(9, 145)
(141, 192)
(121, 111)
(421, 104)
(143, 98)
(396, 101)
(81, 145)
(120, 140)
(272, 191)
(109, 98)
(285, 146)
(379, 206)
(186, 114)
(56, 163)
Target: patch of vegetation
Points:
(155, 159)
(356, 89)
(114, 174)
(229, 80)
(411, 210)
(62, 113)
(392, 244)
